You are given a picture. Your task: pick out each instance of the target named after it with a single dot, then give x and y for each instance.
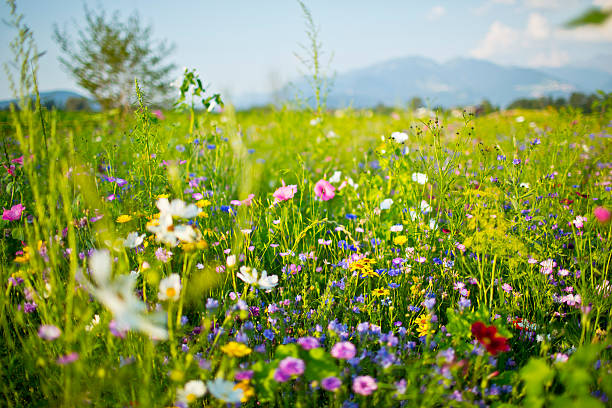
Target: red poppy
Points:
(487, 336)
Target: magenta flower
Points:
(68, 358)
(14, 213)
(284, 193)
(602, 214)
(49, 332)
(291, 366)
(364, 385)
(159, 114)
(344, 350)
(309, 343)
(331, 383)
(324, 190)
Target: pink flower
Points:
(324, 190)
(10, 170)
(159, 114)
(364, 385)
(247, 201)
(344, 350)
(68, 358)
(49, 332)
(14, 213)
(18, 160)
(602, 214)
(284, 193)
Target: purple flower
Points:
(49, 332)
(308, 343)
(291, 366)
(364, 385)
(68, 358)
(344, 350)
(331, 383)
(244, 375)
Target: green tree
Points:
(110, 53)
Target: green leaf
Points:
(319, 365)
(593, 16)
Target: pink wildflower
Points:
(324, 190)
(159, 114)
(14, 213)
(364, 385)
(602, 214)
(284, 193)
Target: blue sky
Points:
(248, 46)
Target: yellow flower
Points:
(234, 349)
(203, 214)
(364, 268)
(25, 257)
(247, 390)
(380, 292)
(424, 323)
(203, 203)
(400, 240)
(124, 218)
(162, 196)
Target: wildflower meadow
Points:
(290, 257)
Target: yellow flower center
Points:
(190, 397)
(171, 292)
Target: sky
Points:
(245, 46)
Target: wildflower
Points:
(124, 218)
(386, 204)
(324, 190)
(308, 343)
(399, 137)
(506, 288)
(400, 240)
(289, 367)
(133, 240)
(191, 391)
(49, 332)
(163, 254)
(267, 282)
(331, 383)
(234, 349)
(424, 325)
(579, 222)
(397, 228)
(68, 358)
(170, 288)
(363, 266)
(602, 214)
(225, 391)
(364, 385)
(344, 350)
(247, 390)
(231, 261)
(380, 292)
(284, 193)
(14, 213)
(118, 297)
(419, 178)
(487, 336)
(164, 229)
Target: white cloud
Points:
(554, 59)
(436, 12)
(537, 27)
(498, 39)
(544, 4)
(546, 87)
(504, 1)
(605, 4)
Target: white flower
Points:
(336, 177)
(176, 208)
(413, 214)
(231, 261)
(248, 275)
(224, 390)
(192, 390)
(164, 229)
(419, 178)
(386, 204)
(520, 119)
(94, 322)
(524, 185)
(397, 228)
(425, 207)
(133, 240)
(118, 297)
(399, 137)
(267, 282)
(170, 288)
(433, 224)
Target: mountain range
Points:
(457, 82)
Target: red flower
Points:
(487, 336)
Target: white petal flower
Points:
(224, 390)
(336, 177)
(399, 137)
(133, 240)
(386, 204)
(191, 391)
(419, 178)
(397, 228)
(425, 207)
(267, 282)
(248, 275)
(170, 288)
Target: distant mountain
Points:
(460, 81)
(57, 98)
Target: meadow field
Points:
(286, 258)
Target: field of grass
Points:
(275, 258)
